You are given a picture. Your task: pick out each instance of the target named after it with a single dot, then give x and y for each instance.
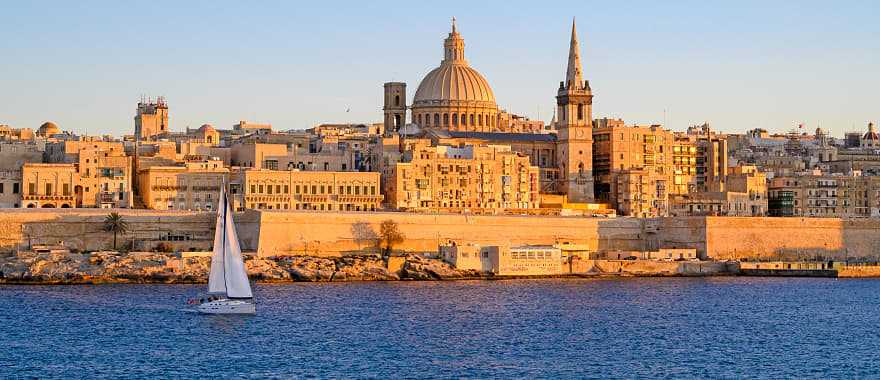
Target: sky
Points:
(737, 65)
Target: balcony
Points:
(38, 197)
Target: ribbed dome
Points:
(453, 82)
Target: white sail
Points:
(216, 283)
(237, 284)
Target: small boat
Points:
(229, 290)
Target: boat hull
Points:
(227, 306)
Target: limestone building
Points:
(823, 195)
(297, 190)
(195, 185)
(99, 172)
(151, 119)
(478, 179)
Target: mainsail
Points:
(228, 275)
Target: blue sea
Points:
(721, 327)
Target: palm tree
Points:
(115, 224)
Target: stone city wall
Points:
(82, 229)
(271, 233)
(791, 239)
(325, 233)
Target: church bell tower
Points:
(395, 107)
(574, 105)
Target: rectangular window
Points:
(269, 188)
(314, 189)
(2, 190)
(278, 189)
(296, 189)
(253, 188)
(14, 188)
(48, 189)
(340, 190)
(286, 189)
(261, 189)
(66, 188)
(32, 188)
(357, 190)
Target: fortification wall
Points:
(324, 233)
(791, 239)
(83, 229)
(333, 233)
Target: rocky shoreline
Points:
(166, 268)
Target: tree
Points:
(116, 224)
(389, 235)
(365, 235)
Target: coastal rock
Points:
(307, 268)
(362, 268)
(421, 268)
(151, 267)
(266, 270)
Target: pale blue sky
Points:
(738, 65)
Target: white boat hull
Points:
(227, 306)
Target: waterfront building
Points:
(526, 260)
(102, 176)
(653, 163)
(641, 193)
(48, 185)
(266, 189)
(824, 195)
(194, 185)
(751, 181)
(480, 179)
(14, 154)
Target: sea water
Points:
(730, 327)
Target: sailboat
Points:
(228, 287)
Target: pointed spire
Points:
(453, 25)
(574, 78)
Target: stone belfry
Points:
(394, 107)
(574, 102)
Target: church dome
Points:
(454, 95)
(48, 129)
(453, 82)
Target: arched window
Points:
(580, 111)
(454, 119)
(396, 121)
(445, 119)
(436, 119)
(396, 100)
(580, 169)
(419, 119)
(480, 120)
(472, 119)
